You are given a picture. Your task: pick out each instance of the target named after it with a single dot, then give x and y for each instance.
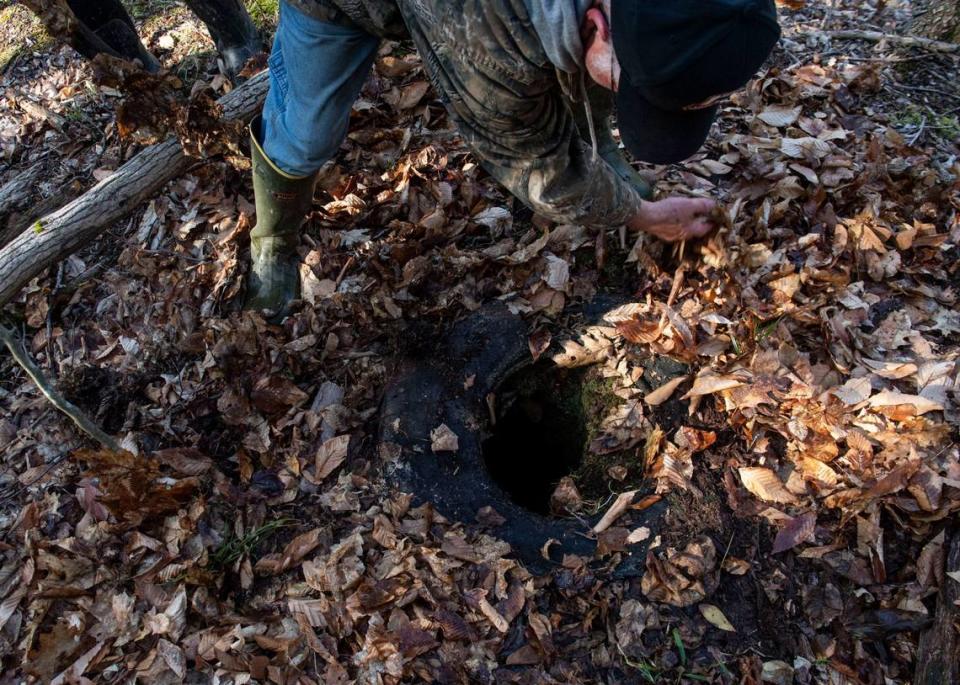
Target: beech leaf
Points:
(763, 483)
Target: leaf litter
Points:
(808, 453)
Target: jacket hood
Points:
(557, 24)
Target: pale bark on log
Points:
(938, 654)
(63, 232)
(939, 19)
(15, 196)
(905, 41)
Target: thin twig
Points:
(10, 338)
(22, 487)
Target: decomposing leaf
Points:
(681, 578)
(566, 497)
(443, 439)
(798, 530)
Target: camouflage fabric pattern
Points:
(512, 107)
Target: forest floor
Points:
(812, 473)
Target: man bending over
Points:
(529, 83)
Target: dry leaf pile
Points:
(807, 448)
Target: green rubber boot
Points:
(601, 105)
(282, 202)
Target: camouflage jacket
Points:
(512, 107)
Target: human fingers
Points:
(698, 227)
(705, 205)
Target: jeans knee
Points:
(296, 151)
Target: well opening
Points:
(545, 417)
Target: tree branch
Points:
(8, 335)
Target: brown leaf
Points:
(894, 481)
(780, 116)
(930, 562)
(619, 506)
(453, 626)
(919, 404)
(735, 566)
(681, 578)
(414, 641)
(330, 456)
(292, 554)
(664, 392)
(612, 540)
(763, 483)
(798, 530)
(273, 394)
(539, 342)
(566, 498)
(412, 93)
(186, 460)
(52, 651)
(694, 439)
(708, 382)
(498, 621)
(640, 332)
(443, 439)
(311, 609)
(527, 655)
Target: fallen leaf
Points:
(664, 392)
(708, 382)
(891, 398)
(619, 506)
(764, 483)
(715, 616)
(292, 554)
(798, 530)
(412, 94)
(443, 439)
(498, 621)
(780, 116)
(566, 498)
(854, 391)
(539, 342)
(331, 455)
(735, 566)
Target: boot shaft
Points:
(282, 200)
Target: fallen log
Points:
(15, 197)
(938, 654)
(57, 235)
(905, 41)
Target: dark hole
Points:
(540, 434)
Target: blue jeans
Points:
(316, 72)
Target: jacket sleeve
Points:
(511, 110)
(567, 184)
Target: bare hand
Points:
(675, 218)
